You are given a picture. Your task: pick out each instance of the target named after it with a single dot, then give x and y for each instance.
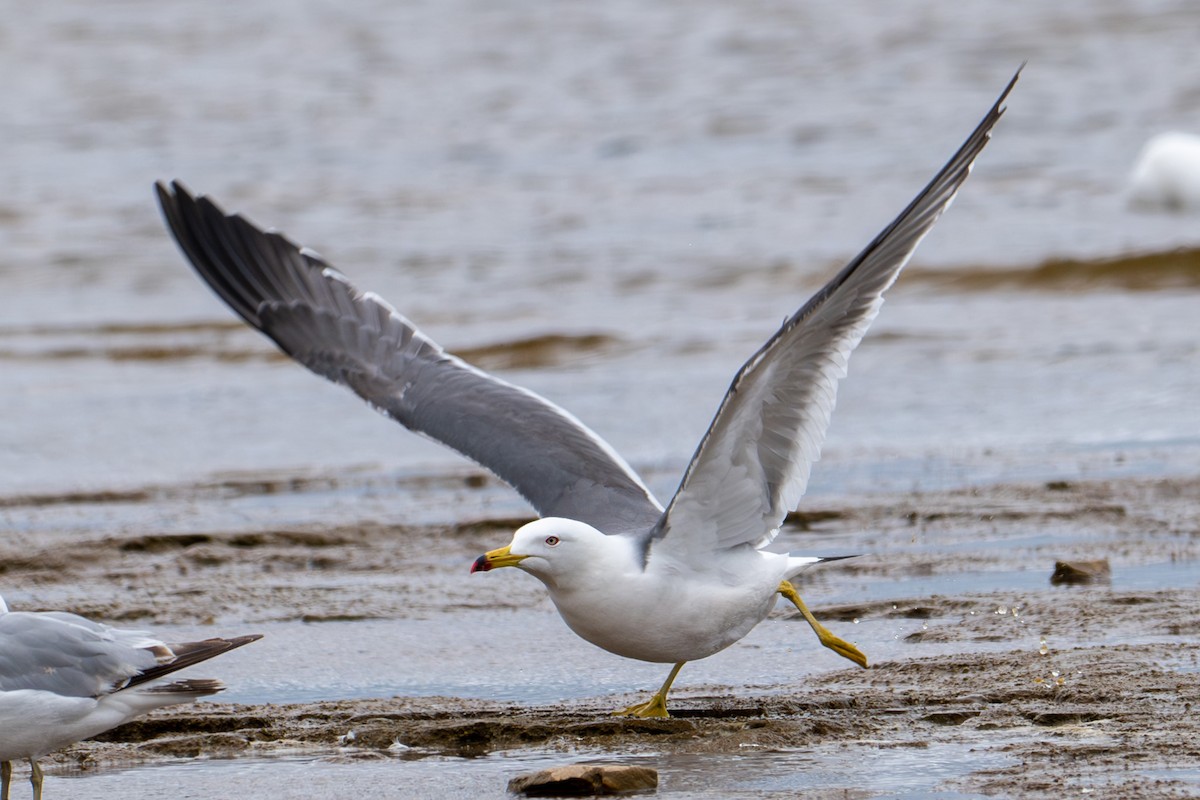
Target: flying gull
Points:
(663, 585)
(64, 678)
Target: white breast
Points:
(665, 615)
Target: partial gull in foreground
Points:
(658, 585)
(64, 678)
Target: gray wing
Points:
(354, 338)
(753, 464)
(75, 657)
(49, 653)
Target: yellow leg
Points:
(839, 646)
(5, 778)
(656, 706)
(36, 780)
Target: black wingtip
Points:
(206, 236)
(999, 108)
(237, 641)
(838, 558)
(170, 192)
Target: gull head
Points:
(548, 548)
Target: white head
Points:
(550, 548)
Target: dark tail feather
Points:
(193, 686)
(189, 653)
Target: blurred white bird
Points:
(1167, 174)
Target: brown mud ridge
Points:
(1108, 703)
(1170, 269)
(226, 341)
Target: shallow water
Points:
(754, 775)
(676, 179)
(648, 189)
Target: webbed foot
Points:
(656, 706)
(826, 637)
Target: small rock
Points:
(585, 780)
(1080, 573)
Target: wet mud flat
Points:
(1116, 721)
(1033, 690)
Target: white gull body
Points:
(669, 610)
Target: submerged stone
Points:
(1078, 573)
(585, 780)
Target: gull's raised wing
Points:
(752, 466)
(355, 338)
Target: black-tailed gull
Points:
(659, 585)
(64, 678)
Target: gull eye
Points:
(552, 540)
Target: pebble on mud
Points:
(1080, 573)
(585, 780)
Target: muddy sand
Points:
(1048, 691)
